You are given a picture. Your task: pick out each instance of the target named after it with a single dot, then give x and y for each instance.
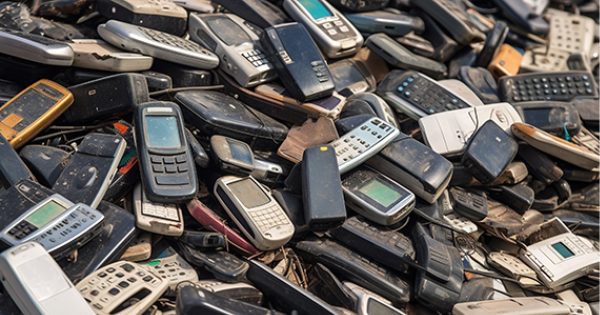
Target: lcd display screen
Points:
(316, 9)
(163, 132)
(562, 249)
(537, 116)
(380, 192)
(240, 152)
(248, 193)
(45, 214)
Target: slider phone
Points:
(205, 111)
(415, 166)
(481, 81)
(370, 104)
(356, 268)
(96, 54)
(555, 146)
(37, 284)
(157, 44)
(376, 196)
(91, 169)
(489, 151)
(547, 86)
(168, 173)
(400, 57)
(192, 300)
(105, 98)
(448, 133)
(161, 15)
(334, 34)
(452, 17)
(286, 295)
(389, 248)
(35, 48)
(370, 303)
(253, 209)
(12, 168)
(261, 13)
(561, 256)
(222, 265)
(360, 6)
(237, 45)
(438, 286)
(213, 222)
(117, 232)
(558, 118)
(298, 61)
(417, 95)
(521, 14)
(122, 288)
(513, 306)
(322, 196)
(391, 23)
(32, 110)
(55, 222)
(506, 62)
(158, 218)
(362, 142)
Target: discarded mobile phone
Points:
(32, 110)
(12, 169)
(370, 303)
(172, 268)
(35, 48)
(553, 117)
(159, 218)
(37, 284)
(98, 55)
(161, 15)
(391, 23)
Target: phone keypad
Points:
(320, 69)
(362, 142)
(336, 29)
(171, 40)
(170, 170)
(559, 86)
(163, 211)
(119, 282)
(269, 217)
(428, 96)
(173, 269)
(257, 58)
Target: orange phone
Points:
(32, 110)
(506, 62)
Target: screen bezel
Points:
(355, 180)
(176, 150)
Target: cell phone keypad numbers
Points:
(428, 96)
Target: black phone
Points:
(262, 13)
(12, 168)
(168, 171)
(298, 60)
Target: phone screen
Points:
(163, 132)
(316, 9)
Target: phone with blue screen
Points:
(168, 171)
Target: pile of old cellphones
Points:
(367, 157)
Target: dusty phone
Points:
(558, 118)
(262, 13)
(32, 110)
(168, 171)
(91, 169)
(494, 39)
(448, 133)
(237, 45)
(513, 306)
(351, 76)
(452, 17)
(12, 169)
(161, 15)
(159, 218)
(560, 256)
(542, 59)
(241, 291)
(96, 54)
(417, 95)
(55, 222)
(555, 146)
(299, 63)
(482, 82)
(370, 104)
(391, 23)
(255, 212)
(334, 34)
(37, 284)
(547, 86)
(322, 196)
(223, 265)
(35, 48)
(376, 196)
(122, 288)
(172, 268)
(329, 106)
(370, 303)
(198, 300)
(157, 44)
(139, 249)
(400, 57)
